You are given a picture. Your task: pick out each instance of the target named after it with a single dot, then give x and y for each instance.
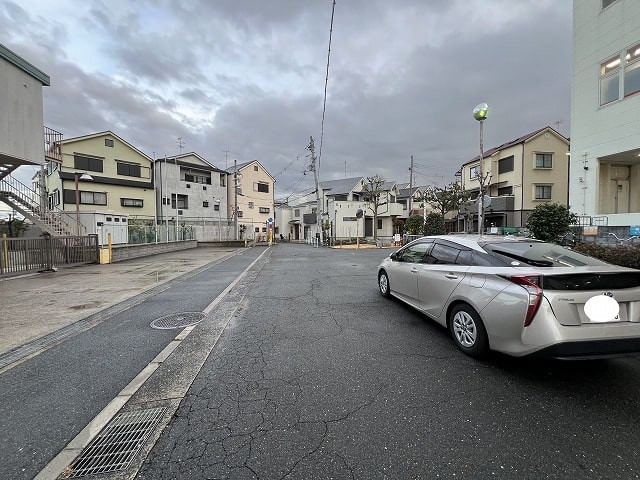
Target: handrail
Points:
(34, 206)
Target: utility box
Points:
(104, 223)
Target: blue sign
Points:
(270, 220)
(634, 230)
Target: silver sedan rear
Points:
(518, 296)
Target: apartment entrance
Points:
(621, 175)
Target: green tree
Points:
(445, 199)
(548, 221)
(414, 224)
(434, 224)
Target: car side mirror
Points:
(394, 256)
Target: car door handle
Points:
(451, 276)
(415, 270)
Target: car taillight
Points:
(532, 284)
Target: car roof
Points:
(476, 242)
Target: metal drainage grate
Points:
(178, 320)
(117, 444)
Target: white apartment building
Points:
(604, 183)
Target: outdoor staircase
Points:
(34, 206)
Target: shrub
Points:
(623, 255)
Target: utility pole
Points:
(410, 185)
(235, 197)
(318, 202)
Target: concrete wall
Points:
(125, 252)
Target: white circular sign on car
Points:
(602, 308)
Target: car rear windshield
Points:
(539, 254)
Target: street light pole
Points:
(480, 113)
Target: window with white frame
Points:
(54, 199)
(544, 160)
(250, 204)
(620, 75)
(542, 192)
(263, 210)
(474, 172)
(131, 202)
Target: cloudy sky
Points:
(245, 79)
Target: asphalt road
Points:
(318, 376)
(305, 371)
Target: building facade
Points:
(605, 101)
(251, 201)
(517, 176)
(103, 174)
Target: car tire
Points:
(468, 331)
(384, 285)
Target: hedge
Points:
(626, 256)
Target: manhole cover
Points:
(178, 320)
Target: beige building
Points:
(250, 194)
(518, 176)
(103, 173)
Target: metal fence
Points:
(28, 255)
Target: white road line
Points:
(56, 466)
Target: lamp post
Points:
(480, 113)
(77, 176)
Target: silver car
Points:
(518, 296)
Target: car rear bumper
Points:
(590, 349)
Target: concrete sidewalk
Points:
(33, 306)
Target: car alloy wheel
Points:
(383, 283)
(467, 331)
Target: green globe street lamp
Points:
(480, 113)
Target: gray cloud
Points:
(248, 77)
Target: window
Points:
(204, 188)
(505, 191)
(128, 169)
(240, 214)
(606, 3)
(183, 201)
(250, 204)
(54, 199)
(544, 160)
(263, 210)
(255, 168)
(257, 229)
(379, 224)
(86, 198)
(632, 71)
(223, 181)
(216, 207)
(415, 253)
(82, 162)
(474, 172)
(620, 75)
(505, 165)
(296, 212)
(131, 202)
(261, 187)
(205, 203)
(108, 142)
(442, 255)
(543, 192)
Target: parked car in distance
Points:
(517, 296)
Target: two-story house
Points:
(250, 193)
(102, 176)
(605, 125)
(190, 190)
(517, 176)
